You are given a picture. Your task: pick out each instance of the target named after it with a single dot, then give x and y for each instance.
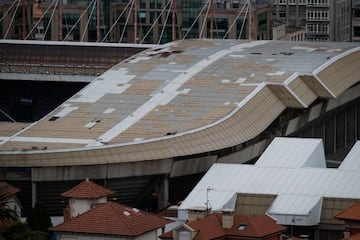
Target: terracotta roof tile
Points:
(354, 237)
(351, 213)
(210, 227)
(113, 219)
(87, 189)
(7, 189)
(255, 226)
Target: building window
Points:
(356, 13)
(317, 15)
(356, 31)
(302, 2)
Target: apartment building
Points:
(129, 21)
(355, 31)
(323, 20)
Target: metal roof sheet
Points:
(293, 153)
(194, 95)
(298, 189)
(351, 161)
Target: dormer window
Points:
(241, 227)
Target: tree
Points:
(20, 231)
(39, 219)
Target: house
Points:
(84, 197)
(109, 220)
(91, 216)
(227, 225)
(12, 201)
(351, 216)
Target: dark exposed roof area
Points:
(47, 58)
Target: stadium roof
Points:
(183, 98)
(299, 186)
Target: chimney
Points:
(227, 218)
(67, 214)
(197, 213)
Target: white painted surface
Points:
(304, 181)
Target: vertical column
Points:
(60, 21)
(173, 20)
(211, 19)
(163, 192)
(33, 194)
(23, 14)
(98, 34)
(251, 34)
(135, 20)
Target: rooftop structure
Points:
(291, 175)
(351, 216)
(112, 219)
(89, 212)
(87, 190)
(163, 116)
(8, 190)
(226, 226)
(183, 98)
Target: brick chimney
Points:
(197, 213)
(67, 214)
(227, 218)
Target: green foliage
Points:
(20, 231)
(39, 219)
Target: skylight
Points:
(241, 227)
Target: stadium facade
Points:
(168, 113)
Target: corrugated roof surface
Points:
(300, 188)
(294, 204)
(192, 95)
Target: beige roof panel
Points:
(185, 97)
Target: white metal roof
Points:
(298, 186)
(352, 160)
(297, 152)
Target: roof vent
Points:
(126, 213)
(136, 210)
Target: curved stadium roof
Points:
(183, 98)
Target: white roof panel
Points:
(352, 160)
(298, 189)
(294, 204)
(293, 153)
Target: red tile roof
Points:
(354, 237)
(351, 213)
(87, 189)
(113, 219)
(7, 189)
(210, 227)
